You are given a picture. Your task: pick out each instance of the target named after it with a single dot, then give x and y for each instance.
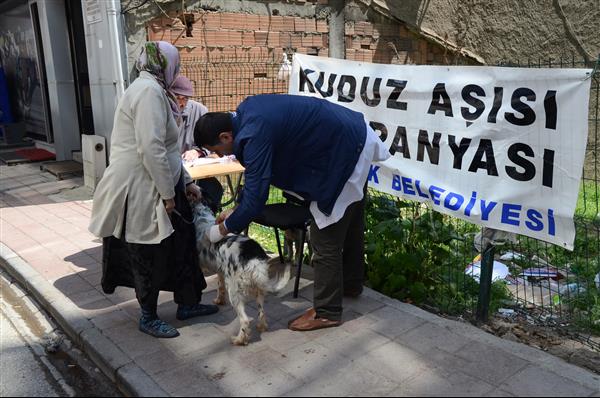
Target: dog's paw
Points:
(219, 301)
(240, 341)
(262, 326)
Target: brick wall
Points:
(390, 43)
(229, 56)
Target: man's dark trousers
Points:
(338, 260)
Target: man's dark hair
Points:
(209, 126)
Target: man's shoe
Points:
(353, 292)
(190, 311)
(309, 321)
(157, 328)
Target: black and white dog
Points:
(243, 270)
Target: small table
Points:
(227, 169)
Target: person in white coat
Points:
(140, 207)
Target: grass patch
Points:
(588, 203)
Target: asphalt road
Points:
(22, 373)
(36, 358)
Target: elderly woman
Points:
(191, 111)
(140, 206)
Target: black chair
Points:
(293, 214)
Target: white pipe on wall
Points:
(112, 10)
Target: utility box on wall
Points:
(94, 159)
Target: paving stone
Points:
(157, 361)
(103, 352)
(350, 380)
(533, 381)
(352, 344)
(433, 384)
(94, 278)
(353, 321)
(134, 381)
(429, 337)
(395, 362)
(392, 323)
(280, 338)
(121, 295)
(490, 364)
(85, 298)
(283, 309)
(177, 376)
(306, 360)
(197, 341)
(200, 388)
(112, 319)
(361, 304)
(499, 393)
(238, 372)
(139, 345)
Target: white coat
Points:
(145, 165)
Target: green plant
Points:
(418, 255)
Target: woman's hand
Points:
(169, 205)
(193, 193)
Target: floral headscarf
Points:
(161, 59)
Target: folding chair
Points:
(292, 214)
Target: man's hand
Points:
(193, 193)
(169, 205)
(192, 154)
(224, 216)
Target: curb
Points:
(114, 363)
(25, 332)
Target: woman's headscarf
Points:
(161, 59)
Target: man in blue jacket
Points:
(319, 151)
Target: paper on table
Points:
(202, 161)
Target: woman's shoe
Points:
(190, 311)
(157, 328)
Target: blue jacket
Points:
(302, 144)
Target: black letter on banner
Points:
(458, 150)
(498, 91)
(304, 80)
(550, 108)
(548, 171)
(383, 131)
(467, 94)
(392, 101)
(376, 95)
(521, 107)
(400, 134)
(433, 148)
(485, 148)
(319, 84)
(440, 101)
(516, 158)
(352, 93)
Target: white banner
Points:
(500, 147)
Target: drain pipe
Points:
(113, 9)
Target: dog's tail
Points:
(278, 283)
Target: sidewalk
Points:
(385, 347)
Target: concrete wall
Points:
(513, 30)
